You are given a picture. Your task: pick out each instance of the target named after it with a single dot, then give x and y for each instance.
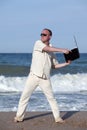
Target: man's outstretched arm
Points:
(54, 49)
(61, 65)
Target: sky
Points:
(21, 22)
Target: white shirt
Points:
(42, 62)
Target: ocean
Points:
(69, 83)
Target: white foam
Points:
(60, 83)
(11, 84)
(69, 82)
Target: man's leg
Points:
(31, 84)
(47, 89)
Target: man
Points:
(43, 60)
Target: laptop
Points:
(74, 54)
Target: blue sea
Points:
(69, 83)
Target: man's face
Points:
(45, 36)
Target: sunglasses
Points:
(43, 34)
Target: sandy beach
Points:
(74, 120)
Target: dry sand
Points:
(44, 121)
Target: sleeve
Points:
(54, 60)
(39, 45)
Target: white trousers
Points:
(32, 82)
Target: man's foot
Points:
(60, 120)
(16, 120)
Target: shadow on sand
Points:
(65, 116)
(69, 114)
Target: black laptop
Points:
(74, 54)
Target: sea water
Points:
(69, 83)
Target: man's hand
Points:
(68, 62)
(66, 51)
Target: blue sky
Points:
(21, 22)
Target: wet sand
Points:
(74, 120)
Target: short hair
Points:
(48, 31)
